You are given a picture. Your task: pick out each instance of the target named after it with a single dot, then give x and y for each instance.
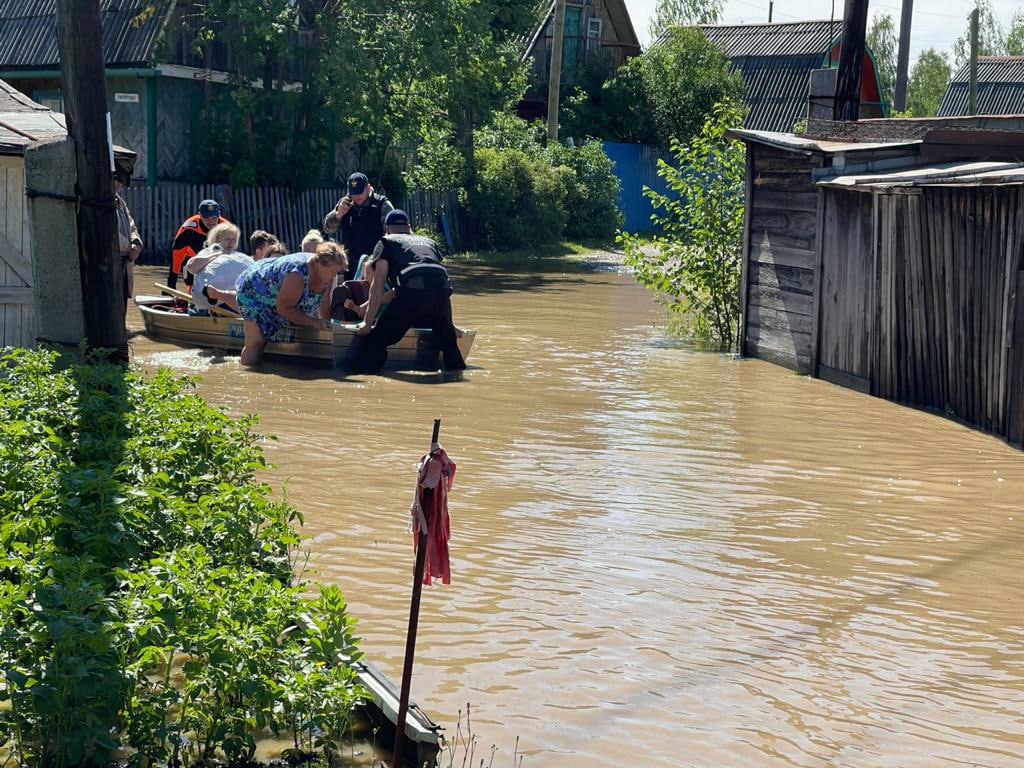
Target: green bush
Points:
(148, 606)
(592, 202)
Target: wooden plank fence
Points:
(159, 211)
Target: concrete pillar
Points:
(50, 181)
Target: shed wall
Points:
(779, 261)
(17, 311)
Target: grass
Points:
(528, 257)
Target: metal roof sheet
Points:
(804, 144)
(942, 174)
(131, 29)
(1000, 88)
(799, 38)
(775, 89)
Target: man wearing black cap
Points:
(360, 218)
(191, 238)
(412, 264)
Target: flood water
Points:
(660, 557)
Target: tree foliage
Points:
(683, 13)
(991, 41)
(1015, 35)
(665, 94)
(882, 40)
(694, 263)
(929, 79)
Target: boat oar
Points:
(188, 297)
(414, 619)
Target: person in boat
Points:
(191, 238)
(422, 296)
(312, 239)
(217, 266)
(287, 289)
(358, 218)
(263, 245)
(129, 242)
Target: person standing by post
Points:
(129, 243)
(191, 238)
(358, 218)
(422, 297)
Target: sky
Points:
(935, 24)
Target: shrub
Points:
(592, 202)
(147, 600)
(694, 266)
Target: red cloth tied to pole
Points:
(430, 512)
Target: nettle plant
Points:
(149, 611)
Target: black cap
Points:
(357, 183)
(396, 218)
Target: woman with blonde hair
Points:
(312, 239)
(217, 266)
(288, 289)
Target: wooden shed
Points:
(889, 258)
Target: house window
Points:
(594, 28)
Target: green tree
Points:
(1015, 35)
(694, 266)
(929, 79)
(683, 13)
(991, 41)
(881, 39)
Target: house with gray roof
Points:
(776, 61)
(1000, 88)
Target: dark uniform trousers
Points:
(429, 306)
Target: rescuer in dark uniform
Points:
(360, 218)
(190, 238)
(412, 264)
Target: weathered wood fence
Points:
(17, 314)
(921, 299)
(159, 211)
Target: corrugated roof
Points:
(131, 29)
(805, 144)
(943, 174)
(776, 89)
(1000, 88)
(798, 38)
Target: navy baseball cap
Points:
(396, 218)
(357, 183)
(209, 208)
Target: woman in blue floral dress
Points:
(286, 289)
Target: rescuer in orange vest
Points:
(191, 238)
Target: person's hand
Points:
(320, 324)
(363, 328)
(134, 253)
(342, 207)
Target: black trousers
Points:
(420, 308)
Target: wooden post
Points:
(771, 7)
(972, 93)
(851, 61)
(555, 73)
(903, 58)
(414, 620)
(80, 46)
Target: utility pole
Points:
(972, 93)
(851, 61)
(771, 7)
(80, 47)
(903, 58)
(555, 74)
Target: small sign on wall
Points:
(126, 98)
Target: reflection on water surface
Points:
(662, 557)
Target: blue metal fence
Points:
(636, 166)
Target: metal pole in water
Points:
(414, 618)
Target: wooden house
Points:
(888, 256)
(1000, 88)
(597, 33)
(776, 61)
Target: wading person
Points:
(191, 237)
(287, 289)
(422, 298)
(358, 218)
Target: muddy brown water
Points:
(660, 556)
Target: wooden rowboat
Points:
(336, 346)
